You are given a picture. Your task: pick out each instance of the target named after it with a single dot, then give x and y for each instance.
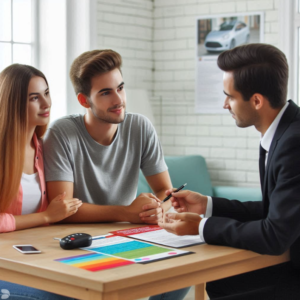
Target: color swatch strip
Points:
(94, 262)
(131, 249)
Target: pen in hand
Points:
(168, 197)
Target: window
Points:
(17, 32)
(289, 33)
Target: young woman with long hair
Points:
(24, 115)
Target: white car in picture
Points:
(230, 35)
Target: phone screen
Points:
(27, 248)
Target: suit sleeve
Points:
(237, 210)
(280, 228)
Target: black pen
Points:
(168, 197)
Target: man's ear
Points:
(82, 99)
(258, 101)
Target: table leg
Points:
(200, 292)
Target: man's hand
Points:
(188, 201)
(152, 212)
(181, 223)
(144, 209)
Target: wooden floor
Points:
(189, 296)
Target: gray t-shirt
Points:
(106, 175)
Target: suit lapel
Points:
(284, 123)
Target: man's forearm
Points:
(161, 195)
(92, 213)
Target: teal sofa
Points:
(193, 171)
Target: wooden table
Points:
(128, 282)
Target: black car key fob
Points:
(75, 240)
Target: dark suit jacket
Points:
(270, 226)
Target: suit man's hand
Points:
(181, 223)
(188, 201)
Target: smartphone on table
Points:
(26, 249)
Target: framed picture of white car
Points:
(215, 34)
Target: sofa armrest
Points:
(239, 193)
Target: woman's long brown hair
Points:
(14, 81)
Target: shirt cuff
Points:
(208, 214)
(201, 228)
(209, 207)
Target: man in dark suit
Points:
(255, 84)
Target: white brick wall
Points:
(127, 27)
(157, 42)
(231, 152)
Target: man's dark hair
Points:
(90, 64)
(258, 68)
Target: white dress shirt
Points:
(265, 141)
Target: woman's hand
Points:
(61, 208)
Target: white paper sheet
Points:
(162, 237)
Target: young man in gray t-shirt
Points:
(96, 157)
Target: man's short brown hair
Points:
(258, 68)
(90, 64)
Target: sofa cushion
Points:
(184, 169)
(238, 193)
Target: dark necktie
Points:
(262, 164)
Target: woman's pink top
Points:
(7, 220)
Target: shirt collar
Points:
(36, 142)
(266, 140)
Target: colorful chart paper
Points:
(94, 261)
(133, 250)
